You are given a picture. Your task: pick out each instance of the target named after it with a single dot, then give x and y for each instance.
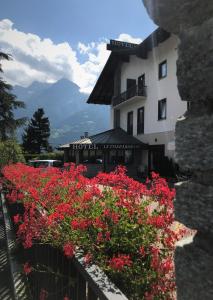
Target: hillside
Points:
(69, 114)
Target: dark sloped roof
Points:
(103, 91)
(114, 136)
(104, 88)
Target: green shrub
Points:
(11, 152)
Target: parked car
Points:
(44, 163)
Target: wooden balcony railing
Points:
(130, 93)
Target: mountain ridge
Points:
(65, 106)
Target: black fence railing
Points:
(55, 277)
(128, 94)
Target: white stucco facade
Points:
(156, 132)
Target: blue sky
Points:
(37, 31)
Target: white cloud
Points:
(43, 60)
(6, 24)
(128, 38)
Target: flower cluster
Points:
(27, 268)
(121, 225)
(119, 262)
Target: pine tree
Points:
(8, 102)
(35, 137)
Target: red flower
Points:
(17, 219)
(100, 237)
(88, 258)
(119, 262)
(43, 294)
(142, 251)
(80, 224)
(167, 266)
(66, 206)
(27, 268)
(108, 236)
(158, 221)
(28, 241)
(69, 249)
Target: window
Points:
(117, 118)
(85, 156)
(130, 123)
(128, 157)
(72, 155)
(162, 73)
(112, 156)
(140, 121)
(162, 109)
(120, 157)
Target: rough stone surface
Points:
(194, 206)
(194, 273)
(195, 79)
(192, 21)
(194, 142)
(205, 178)
(174, 15)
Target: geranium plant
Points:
(119, 224)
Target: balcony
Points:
(133, 93)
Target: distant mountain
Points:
(93, 119)
(34, 89)
(69, 114)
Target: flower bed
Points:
(121, 225)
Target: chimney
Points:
(86, 134)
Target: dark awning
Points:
(110, 139)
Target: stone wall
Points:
(192, 21)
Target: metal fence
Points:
(55, 277)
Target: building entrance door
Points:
(157, 158)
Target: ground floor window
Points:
(112, 156)
(71, 155)
(129, 158)
(120, 157)
(91, 156)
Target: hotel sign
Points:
(103, 147)
(118, 45)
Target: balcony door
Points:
(131, 88)
(141, 84)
